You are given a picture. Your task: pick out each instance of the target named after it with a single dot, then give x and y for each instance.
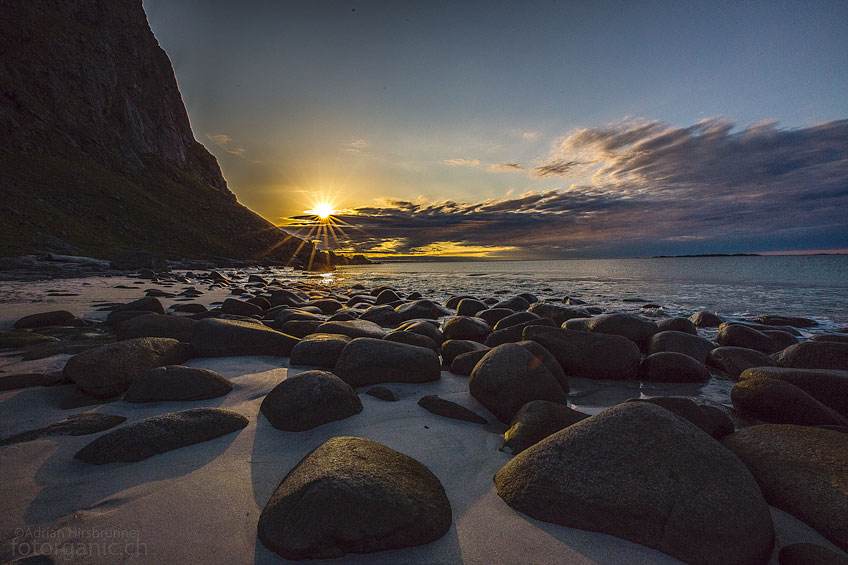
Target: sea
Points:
(737, 287)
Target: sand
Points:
(201, 504)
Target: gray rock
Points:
(412, 338)
(308, 400)
(453, 347)
(384, 316)
(815, 355)
(241, 308)
(635, 328)
(710, 419)
(177, 382)
(145, 438)
(780, 340)
(470, 307)
(382, 392)
(639, 472)
(327, 306)
(513, 334)
(300, 328)
(737, 335)
(353, 329)
(452, 303)
(387, 296)
(353, 495)
(493, 315)
(76, 425)
(367, 361)
(427, 329)
(227, 338)
(801, 470)
(109, 370)
(422, 309)
(547, 360)
(677, 325)
(733, 360)
(26, 380)
(146, 304)
(670, 367)
(466, 327)
(515, 319)
(828, 387)
(509, 376)
(535, 421)
(464, 363)
(559, 314)
(779, 402)
(448, 409)
(786, 321)
(589, 355)
(516, 304)
(704, 319)
(809, 554)
(18, 339)
(155, 325)
(837, 337)
(319, 350)
(695, 347)
(44, 319)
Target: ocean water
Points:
(813, 286)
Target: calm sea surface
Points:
(809, 286)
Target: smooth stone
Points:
(411, 338)
(353, 495)
(515, 319)
(814, 355)
(733, 360)
(146, 304)
(589, 355)
(673, 341)
(464, 363)
(452, 303)
(827, 386)
(448, 409)
(327, 306)
(454, 347)
(241, 308)
(641, 473)
(145, 438)
(493, 315)
(427, 329)
(386, 296)
(466, 327)
(559, 314)
(384, 316)
(684, 325)
(109, 370)
(156, 325)
(635, 328)
(779, 402)
(18, 339)
(710, 419)
(353, 329)
(670, 367)
(470, 307)
(535, 421)
(547, 360)
(76, 425)
(381, 392)
(737, 335)
(509, 376)
(786, 321)
(513, 334)
(840, 338)
(704, 319)
(318, 350)
(516, 304)
(367, 361)
(308, 400)
(300, 328)
(177, 382)
(760, 327)
(422, 309)
(801, 470)
(214, 337)
(44, 319)
(26, 380)
(809, 554)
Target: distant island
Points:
(708, 255)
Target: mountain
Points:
(96, 149)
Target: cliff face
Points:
(96, 147)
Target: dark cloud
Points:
(558, 167)
(658, 189)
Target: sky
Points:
(525, 130)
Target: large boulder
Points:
(508, 377)
(146, 304)
(694, 346)
(544, 358)
(155, 325)
(827, 386)
(44, 319)
(641, 473)
(422, 309)
(466, 327)
(737, 335)
(353, 495)
(815, 355)
(733, 360)
(109, 370)
(515, 319)
(809, 554)
(670, 367)
(367, 361)
(384, 316)
(300, 328)
(454, 347)
(535, 421)
(448, 409)
(411, 338)
(464, 363)
(516, 304)
(786, 321)
(76, 425)
(145, 438)
(426, 329)
(177, 382)
(801, 470)
(494, 315)
(240, 308)
(635, 328)
(588, 355)
(318, 350)
(684, 325)
(309, 399)
(470, 307)
(704, 319)
(779, 402)
(353, 329)
(710, 419)
(514, 333)
(559, 314)
(213, 337)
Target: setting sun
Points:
(322, 210)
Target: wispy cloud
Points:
(226, 143)
(462, 162)
(506, 167)
(355, 146)
(559, 167)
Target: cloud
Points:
(226, 143)
(462, 162)
(355, 146)
(505, 167)
(657, 189)
(530, 135)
